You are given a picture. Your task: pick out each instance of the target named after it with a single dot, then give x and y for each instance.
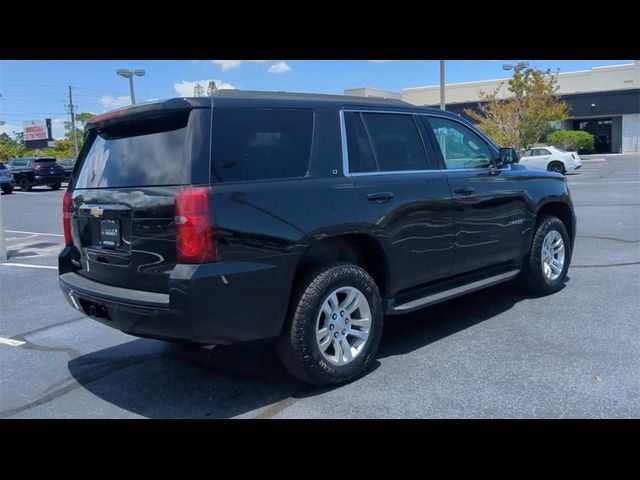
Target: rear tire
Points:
(322, 340)
(546, 266)
(56, 186)
(7, 189)
(557, 167)
(25, 186)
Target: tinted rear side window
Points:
(137, 157)
(45, 161)
(361, 158)
(396, 142)
(255, 144)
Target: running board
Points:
(455, 292)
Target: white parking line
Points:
(10, 342)
(36, 233)
(26, 265)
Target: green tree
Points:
(198, 90)
(523, 118)
(84, 117)
(212, 88)
(68, 135)
(11, 148)
(61, 149)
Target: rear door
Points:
(491, 219)
(539, 158)
(123, 204)
(401, 194)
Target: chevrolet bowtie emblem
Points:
(96, 212)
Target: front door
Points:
(491, 218)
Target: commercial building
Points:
(604, 101)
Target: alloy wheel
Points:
(343, 325)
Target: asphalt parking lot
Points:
(493, 354)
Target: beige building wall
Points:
(615, 77)
(372, 92)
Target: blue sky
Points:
(38, 89)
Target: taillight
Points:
(194, 233)
(66, 219)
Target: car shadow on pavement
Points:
(155, 379)
(405, 333)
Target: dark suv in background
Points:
(303, 217)
(31, 171)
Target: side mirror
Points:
(507, 156)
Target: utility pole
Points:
(442, 100)
(73, 123)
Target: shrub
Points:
(571, 140)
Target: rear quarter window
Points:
(259, 144)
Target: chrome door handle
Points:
(380, 197)
(464, 190)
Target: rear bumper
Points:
(48, 179)
(7, 181)
(214, 303)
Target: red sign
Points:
(35, 130)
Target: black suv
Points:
(30, 171)
(303, 217)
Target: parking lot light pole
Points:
(442, 99)
(130, 74)
(3, 243)
(517, 67)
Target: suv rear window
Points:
(256, 144)
(45, 161)
(138, 155)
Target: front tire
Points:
(7, 189)
(548, 261)
(334, 326)
(56, 186)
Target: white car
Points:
(552, 159)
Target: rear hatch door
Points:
(123, 200)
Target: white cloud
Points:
(57, 127)
(9, 128)
(114, 102)
(227, 65)
(185, 88)
(280, 67)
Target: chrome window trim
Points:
(345, 146)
